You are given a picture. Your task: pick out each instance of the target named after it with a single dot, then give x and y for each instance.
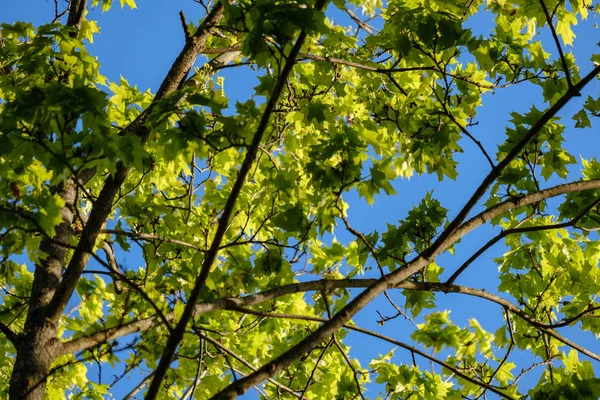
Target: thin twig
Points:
(563, 60)
(388, 339)
(246, 363)
(314, 370)
(149, 236)
(366, 27)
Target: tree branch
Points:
(76, 11)
(184, 25)
(139, 387)
(190, 52)
(446, 288)
(103, 205)
(230, 303)
(176, 336)
(220, 61)
(512, 231)
(450, 236)
(463, 129)
(362, 66)
(495, 173)
(405, 346)
(10, 335)
(517, 202)
(314, 369)
(236, 48)
(149, 236)
(390, 71)
(247, 364)
(355, 373)
(563, 60)
(361, 24)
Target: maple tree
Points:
(226, 205)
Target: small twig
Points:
(314, 370)
(114, 267)
(58, 14)
(149, 236)
(365, 67)
(508, 351)
(563, 60)
(464, 130)
(349, 362)
(412, 349)
(549, 356)
(526, 370)
(558, 4)
(199, 373)
(361, 24)
(359, 236)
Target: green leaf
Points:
(129, 3)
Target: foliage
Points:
(226, 212)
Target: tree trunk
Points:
(35, 354)
(36, 348)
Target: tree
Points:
(231, 208)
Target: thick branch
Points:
(517, 202)
(236, 303)
(76, 11)
(495, 173)
(514, 230)
(186, 59)
(405, 346)
(321, 285)
(230, 303)
(450, 235)
(103, 205)
(247, 364)
(177, 334)
(34, 354)
(450, 288)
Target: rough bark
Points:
(38, 346)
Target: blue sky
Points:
(141, 44)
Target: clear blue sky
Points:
(141, 44)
